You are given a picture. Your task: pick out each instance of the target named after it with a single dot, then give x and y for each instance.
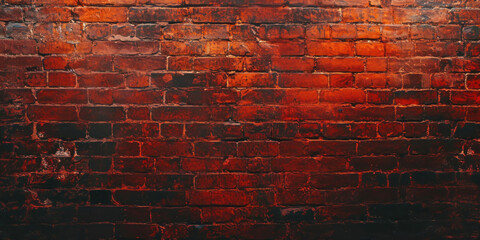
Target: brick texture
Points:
(239, 119)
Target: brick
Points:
(382, 147)
(471, 32)
(20, 47)
(251, 80)
(275, 32)
(62, 96)
(423, 32)
(216, 149)
(376, 80)
(65, 131)
(407, 15)
(149, 31)
(123, 30)
(104, 14)
(62, 79)
(217, 63)
(100, 96)
(390, 129)
(310, 15)
(53, 113)
(264, 15)
(138, 97)
(162, 80)
(318, 31)
(101, 80)
(133, 165)
(368, 31)
(55, 48)
(370, 49)
(250, 149)
(376, 64)
(331, 148)
(395, 32)
(256, 113)
(99, 130)
(468, 16)
(343, 31)
(114, 47)
(204, 48)
(380, 97)
(293, 64)
(102, 113)
(191, 113)
(180, 63)
(131, 130)
(415, 97)
(370, 15)
(449, 80)
(286, 97)
(373, 163)
(400, 49)
(215, 15)
(183, 31)
(179, 215)
(340, 64)
(56, 2)
(138, 113)
(95, 148)
(49, 14)
(126, 63)
(92, 63)
(10, 96)
(473, 81)
(107, 2)
(153, 198)
(341, 80)
(10, 13)
(342, 96)
(218, 198)
(449, 32)
(329, 181)
(302, 80)
(330, 48)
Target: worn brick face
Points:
(239, 119)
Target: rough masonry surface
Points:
(239, 119)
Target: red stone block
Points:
(294, 64)
(101, 14)
(342, 96)
(129, 63)
(166, 149)
(251, 149)
(62, 96)
(340, 64)
(62, 79)
(321, 48)
(100, 96)
(52, 113)
(49, 14)
(102, 113)
(138, 97)
(10, 13)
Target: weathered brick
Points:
(102, 113)
(104, 14)
(243, 119)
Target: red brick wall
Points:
(284, 119)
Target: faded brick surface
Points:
(241, 119)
